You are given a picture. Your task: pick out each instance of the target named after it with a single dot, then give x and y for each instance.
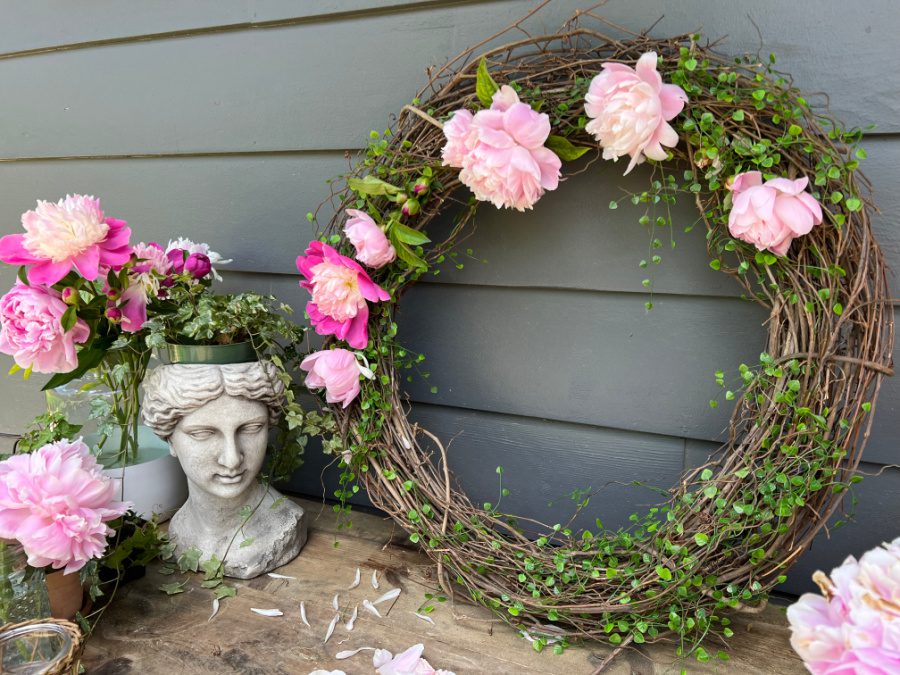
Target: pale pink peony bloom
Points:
(770, 215)
(71, 233)
(340, 289)
(456, 130)
(855, 628)
(31, 331)
(143, 284)
(409, 662)
(501, 152)
(630, 109)
(371, 244)
(338, 371)
(56, 503)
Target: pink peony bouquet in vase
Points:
(854, 626)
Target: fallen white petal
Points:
(427, 618)
(340, 656)
(349, 624)
(303, 613)
(406, 443)
(215, 609)
(375, 579)
(390, 595)
(275, 575)
(267, 612)
(331, 627)
(372, 608)
(335, 603)
(355, 581)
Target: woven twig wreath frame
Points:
(732, 528)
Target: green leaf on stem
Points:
(370, 185)
(564, 148)
(408, 235)
(485, 87)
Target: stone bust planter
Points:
(215, 418)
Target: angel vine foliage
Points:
(776, 187)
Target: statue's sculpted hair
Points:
(175, 390)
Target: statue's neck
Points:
(211, 512)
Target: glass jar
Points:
(23, 590)
(77, 399)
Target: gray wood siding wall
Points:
(221, 119)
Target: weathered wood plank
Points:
(223, 104)
(870, 514)
(148, 632)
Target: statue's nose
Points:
(230, 457)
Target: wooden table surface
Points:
(148, 632)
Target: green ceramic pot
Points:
(239, 352)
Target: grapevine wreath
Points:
(787, 215)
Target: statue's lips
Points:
(229, 479)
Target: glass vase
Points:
(23, 589)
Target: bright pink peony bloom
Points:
(143, 284)
(501, 152)
(337, 370)
(770, 215)
(71, 233)
(409, 662)
(371, 244)
(630, 109)
(456, 130)
(31, 331)
(855, 628)
(56, 502)
(339, 288)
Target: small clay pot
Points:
(66, 594)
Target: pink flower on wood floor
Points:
(501, 152)
(71, 233)
(31, 330)
(855, 627)
(340, 289)
(56, 503)
(770, 215)
(409, 662)
(630, 109)
(371, 244)
(338, 371)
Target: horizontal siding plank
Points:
(252, 208)
(877, 502)
(30, 26)
(543, 462)
(267, 90)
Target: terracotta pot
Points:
(66, 594)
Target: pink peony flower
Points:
(56, 502)
(770, 215)
(197, 265)
(32, 333)
(456, 130)
(71, 233)
(338, 371)
(409, 662)
(371, 244)
(186, 248)
(501, 152)
(143, 284)
(339, 288)
(630, 109)
(855, 628)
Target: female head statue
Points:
(216, 420)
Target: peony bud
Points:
(168, 282)
(70, 296)
(176, 257)
(113, 293)
(114, 314)
(197, 265)
(411, 207)
(421, 185)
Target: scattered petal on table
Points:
(331, 627)
(355, 581)
(349, 624)
(215, 609)
(371, 608)
(267, 612)
(340, 656)
(390, 595)
(335, 603)
(425, 617)
(303, 613)
(375, 579)
(275, 575)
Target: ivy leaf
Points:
(370, 185)
(408, 235)
(485, 87)
(564, 148)
(189, 561)
(405, 253)
(174, 588)
(225, 592)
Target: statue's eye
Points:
(251, 428)
(201, 434)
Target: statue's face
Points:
(222, 445)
